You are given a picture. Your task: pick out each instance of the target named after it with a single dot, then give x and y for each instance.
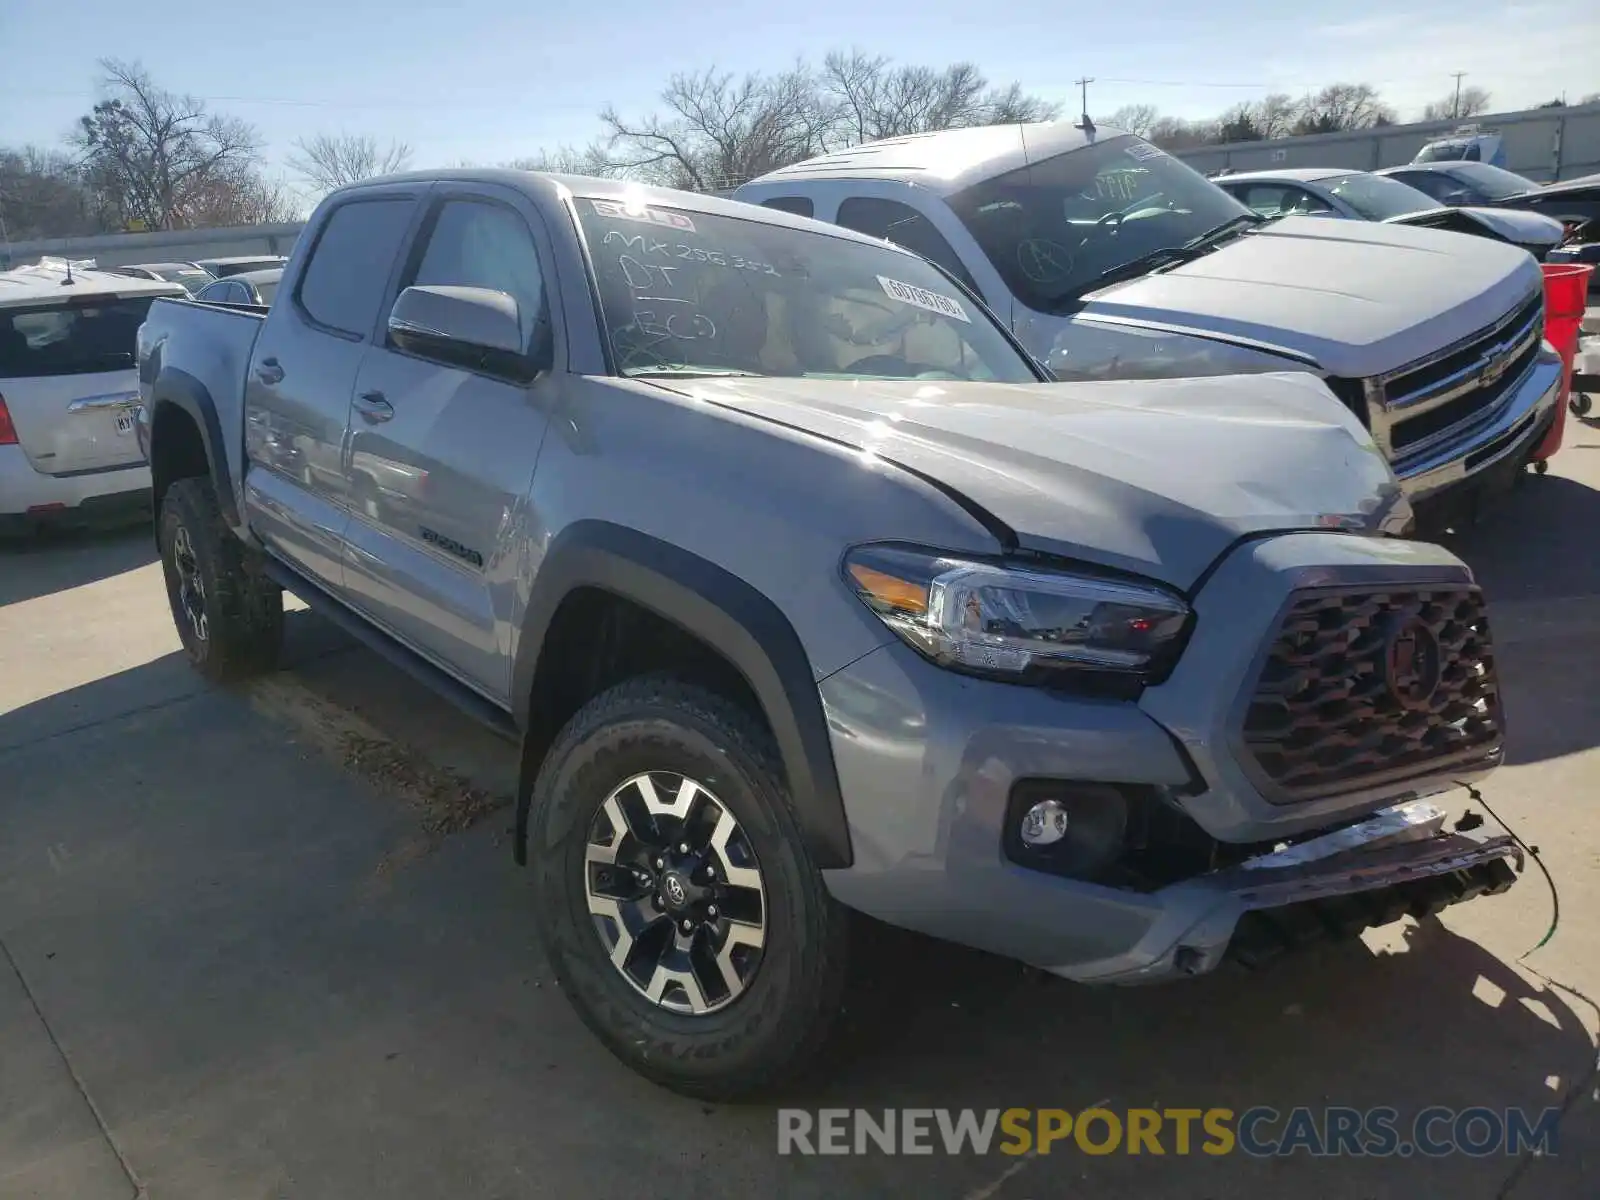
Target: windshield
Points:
(70, 340)
(1377, 197)
(1494, 182)
(1052, 228)
(1447, 152)
(192, 278)
(692, 293)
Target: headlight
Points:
(1023, 625)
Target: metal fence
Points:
(176, 245)
(1545, 144)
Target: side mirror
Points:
(477, 328)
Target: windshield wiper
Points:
(1221, 231)
(1164, 256)
(1143, 265)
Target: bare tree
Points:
(567, 160)
(1174, 133)
(1135, 118)
(717, 131)
(331, 160)
(1275, 115)
(1342, 106)
(1473, 100)
(42, 195)
(149, 153)
(871, 98)
(244, 198)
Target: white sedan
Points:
(1363, 196)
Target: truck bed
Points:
(214, 343)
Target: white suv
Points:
(68, 393)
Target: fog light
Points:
(1044, 824)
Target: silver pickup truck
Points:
(1112, 260)
(801, 588)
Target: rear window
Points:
(342, 286)
(76, 339)
(192, 278)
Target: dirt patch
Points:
(445, 801)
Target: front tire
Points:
(679, 908)
(229, 619)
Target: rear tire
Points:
(229, 618)
(742, 998)
(1581, 403)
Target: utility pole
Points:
(1455, 109)
(1083, 86)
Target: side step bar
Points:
(440, 682)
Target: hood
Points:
(1526, 229)
(1360, 298)
(1583, 183)
(1157, 477)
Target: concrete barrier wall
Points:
(178, 245)
(1545, 144)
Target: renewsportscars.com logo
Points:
(1261, 1132)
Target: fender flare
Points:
(182, 390)
(721, 610)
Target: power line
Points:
(1196, 83)
(497, 100)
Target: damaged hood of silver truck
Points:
(1158, 477)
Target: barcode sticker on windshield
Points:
(934, 302)
(1144, 150)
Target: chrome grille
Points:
(1328, 716)
(1450, 393)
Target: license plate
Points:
(124, 423)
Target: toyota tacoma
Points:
(802, 589)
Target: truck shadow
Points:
(1539, 543)
(59, 561)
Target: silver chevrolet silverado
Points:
(800, 587)
(1112, 260)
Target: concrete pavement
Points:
(270, 942)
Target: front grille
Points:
(1426, 400)
(1452, 412)
(1342, 703)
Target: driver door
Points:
(442, 457)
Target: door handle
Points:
(373, 407)
(269, 371)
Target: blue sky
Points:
(496, 79)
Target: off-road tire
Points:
(243, 611)
(771, 1032)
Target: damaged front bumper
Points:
(1399, 861)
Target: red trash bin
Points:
(1566, 287)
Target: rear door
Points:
(442, 457)
(302, 371)
(68, 377)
